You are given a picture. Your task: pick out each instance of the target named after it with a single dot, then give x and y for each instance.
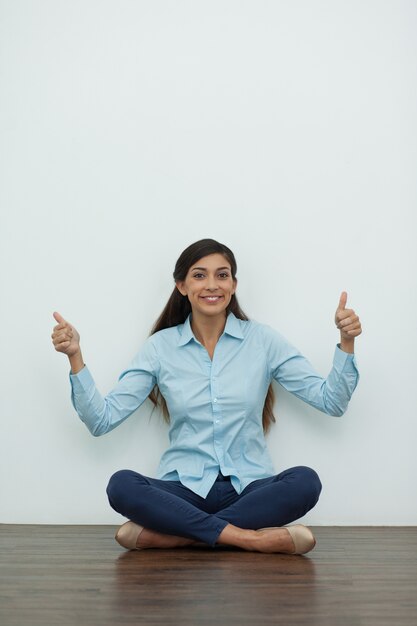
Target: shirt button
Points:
(217, 421)
(214, 399)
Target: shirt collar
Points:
(232, 328)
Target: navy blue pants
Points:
(169, 507)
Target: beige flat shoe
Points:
(302, 537)
(128, 534)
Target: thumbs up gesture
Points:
(346, 320)
(64, 337)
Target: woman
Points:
(211, 368)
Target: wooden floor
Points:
(61, 575)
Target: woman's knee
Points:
(119, 484)
(310, 481)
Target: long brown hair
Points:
(178, 308)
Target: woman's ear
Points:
(180, 286)
(234, 284)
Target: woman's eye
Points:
(221, 275)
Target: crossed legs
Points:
(172, 515)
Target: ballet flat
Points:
(128, 534)
(302, 537)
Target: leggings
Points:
(169, 507)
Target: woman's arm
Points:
(103, 414)
(295, 373)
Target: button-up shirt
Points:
(215, 405)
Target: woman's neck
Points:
(208, 329)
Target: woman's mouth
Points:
(211, 299)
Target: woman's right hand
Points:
(65, 338)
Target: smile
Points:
(211, 298)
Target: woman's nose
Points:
(211, 282)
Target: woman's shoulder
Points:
(256, 326)
(249, 329)
(158, 343)
(263, 331)
(173, 332)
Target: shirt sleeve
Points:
(295, 373)
(101, 415)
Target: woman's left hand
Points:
(346, 320)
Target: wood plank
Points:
(66, 575)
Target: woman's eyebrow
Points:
(205, 269)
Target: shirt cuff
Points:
(81, 381)
(344, 359)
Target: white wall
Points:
(130, 129)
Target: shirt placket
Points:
(216, 409)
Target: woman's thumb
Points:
(58, 317)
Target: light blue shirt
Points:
(215, 405)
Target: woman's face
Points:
(209, 285)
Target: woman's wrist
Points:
(77, 362)
(347, 345)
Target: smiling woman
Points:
(205, 276)
(210, 368)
